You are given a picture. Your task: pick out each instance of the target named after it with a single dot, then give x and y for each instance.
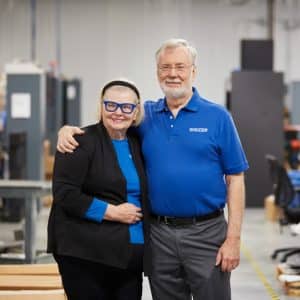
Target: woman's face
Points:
(119, 109)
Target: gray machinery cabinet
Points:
(54, 108)
(257, 108)
(295, 99)
(26, 113)
(25, 128)
(72, 101)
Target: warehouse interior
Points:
(55, 55)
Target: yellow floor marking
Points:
(259, 273)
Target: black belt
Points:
(178, 221)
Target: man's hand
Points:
(66, 142)
(125, 213)
(229, 254)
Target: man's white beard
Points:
(174, 93)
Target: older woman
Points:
(95, 228)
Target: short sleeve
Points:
(233, 157)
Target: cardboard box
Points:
(272, 212)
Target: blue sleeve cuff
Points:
(237, 169)
(96, 210)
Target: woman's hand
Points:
(65, 141)
(125, 213)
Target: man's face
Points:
(176, 72)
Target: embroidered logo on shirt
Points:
(195, 129)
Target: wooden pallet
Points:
(33, 295)
(289, 278)
(29, 269)
(31, 282)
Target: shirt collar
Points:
(161, 105)
(192, 105)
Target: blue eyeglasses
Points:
(126, 108)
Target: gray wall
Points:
(105, 39)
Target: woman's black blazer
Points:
(93, 171)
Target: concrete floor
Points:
(254, 278)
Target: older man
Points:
(195, 163)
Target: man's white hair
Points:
(174, 43)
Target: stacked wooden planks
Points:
(31, 282)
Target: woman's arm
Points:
(70, 171)
(125, 213)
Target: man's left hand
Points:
(229, 254)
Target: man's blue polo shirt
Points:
(187, 157)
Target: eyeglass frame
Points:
(180, 68)
(119, 105)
